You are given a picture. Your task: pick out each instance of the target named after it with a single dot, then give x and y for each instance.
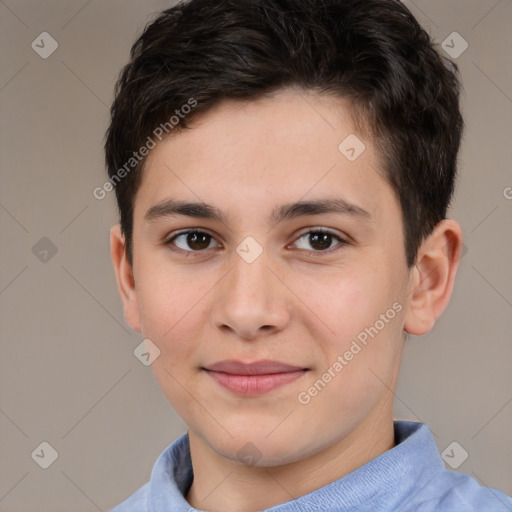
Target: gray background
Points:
(68, 373)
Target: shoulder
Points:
(171, 475)
(137, 502)
(458, 492)
(427, 485)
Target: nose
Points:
(251, 300)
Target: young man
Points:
(283, 170)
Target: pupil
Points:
(198, 240)
(322, 239)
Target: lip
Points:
(252, 379)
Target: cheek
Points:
(361, 320)
(346, 301)
(172, 315)
(167, 300)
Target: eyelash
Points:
(341, 242)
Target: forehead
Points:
(294, 145)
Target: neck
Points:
(222, 484)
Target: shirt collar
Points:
(411, 464)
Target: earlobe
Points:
(433, 276)
(124, 276)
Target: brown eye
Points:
(191, 241)
(319, 240)
(198, 241)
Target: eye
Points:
(191, 241)
(320, 240)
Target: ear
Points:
(124, 275)
(432, 277)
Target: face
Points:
(297, 263)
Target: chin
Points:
(253, 447)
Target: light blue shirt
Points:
(411, 477)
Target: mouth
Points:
(252, 379)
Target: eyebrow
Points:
(173, 207)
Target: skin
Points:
(296, 303)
